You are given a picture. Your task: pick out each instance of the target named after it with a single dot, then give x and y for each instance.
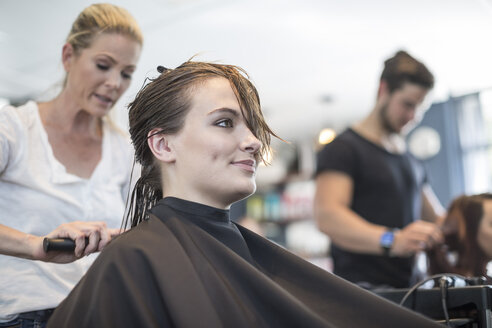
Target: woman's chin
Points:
(243, 193)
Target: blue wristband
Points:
(386, 241)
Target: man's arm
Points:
(432, 209)
(350, 231)
(335, 218)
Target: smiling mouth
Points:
(247, 165)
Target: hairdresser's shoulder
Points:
(25, 115)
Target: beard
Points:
(385, 121)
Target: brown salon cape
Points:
(190, 266)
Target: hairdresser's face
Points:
(399, 108)
(485, 229)
(100, 74)
(215, 150)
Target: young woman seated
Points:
(199, 134)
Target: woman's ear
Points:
(159, 145)
(67, 56)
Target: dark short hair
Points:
(402, 68)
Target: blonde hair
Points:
(102, 18)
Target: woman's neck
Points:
(65, 116)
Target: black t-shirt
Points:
(387, 191)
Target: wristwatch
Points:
(386, 241)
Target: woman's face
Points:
(215, 151)
(100, 74)
(485, 229)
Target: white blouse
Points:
(37, 195)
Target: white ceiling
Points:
(315, 62)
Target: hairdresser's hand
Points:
(415, 237)
(98, 234)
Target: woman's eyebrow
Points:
(225, 109)
(107, 56)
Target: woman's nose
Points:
(114, 80)
(251, 144)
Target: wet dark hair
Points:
(164, 103)
(460, 230)
(402, 68)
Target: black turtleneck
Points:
(214, 221)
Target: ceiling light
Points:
(326, 136)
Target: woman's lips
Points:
(247, 165)
(104, 99)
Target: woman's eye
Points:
(126, 75)
(227, 123)
(102, 67)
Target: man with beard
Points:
(372, 196)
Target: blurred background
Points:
(316, 64)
